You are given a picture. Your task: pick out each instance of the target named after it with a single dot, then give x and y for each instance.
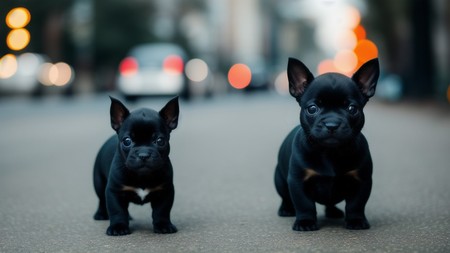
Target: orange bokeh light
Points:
(58, 74)
(326, 66)
(8, 66)
(239, 76)
(345, 62)
(18, 18)
(18, 39)
(346, 40)
(353, 47)
(365, 50)
(448, 93)
(360, 32)
(353, 17)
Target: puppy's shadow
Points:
(339, 223)
(331, 217)
(325, 222)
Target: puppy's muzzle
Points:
(144, 156)
(332, 126)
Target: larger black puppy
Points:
(327, 159)
(134, 166)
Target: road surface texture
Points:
(224, 153)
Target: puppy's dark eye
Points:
(312, 109)
(160, 141)
(126, 142)
(352, 109)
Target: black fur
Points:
(136, 160)
(327, 159)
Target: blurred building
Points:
(412, 38)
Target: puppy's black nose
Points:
(332, 126)
(144, 156)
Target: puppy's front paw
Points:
(118, 229)
(168, 228)
(357, 224)
(305, 225)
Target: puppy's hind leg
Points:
(100, 185)
(102, 213)
(287, 207)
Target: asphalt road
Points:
(224, 153)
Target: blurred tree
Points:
(423, 83)
(119, 25)
(46, 27)
(405, 32)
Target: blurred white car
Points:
(19, 74)
(153, 69)
(33, 74)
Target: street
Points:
(224, 153)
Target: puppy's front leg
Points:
(162, 202)
(305, 208)
(117, 207)
(355, 204)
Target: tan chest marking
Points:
(309, 173)
(354, 174)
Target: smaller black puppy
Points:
(134, 166)
(327, 159)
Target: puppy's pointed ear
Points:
(299, 77)
(170, 113)
(367, 77)
(118, 113)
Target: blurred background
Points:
(60, 59)
(200, 48)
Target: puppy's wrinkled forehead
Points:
(143, 123)
(333, 89)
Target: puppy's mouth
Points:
(143, 167)
(331, 142)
